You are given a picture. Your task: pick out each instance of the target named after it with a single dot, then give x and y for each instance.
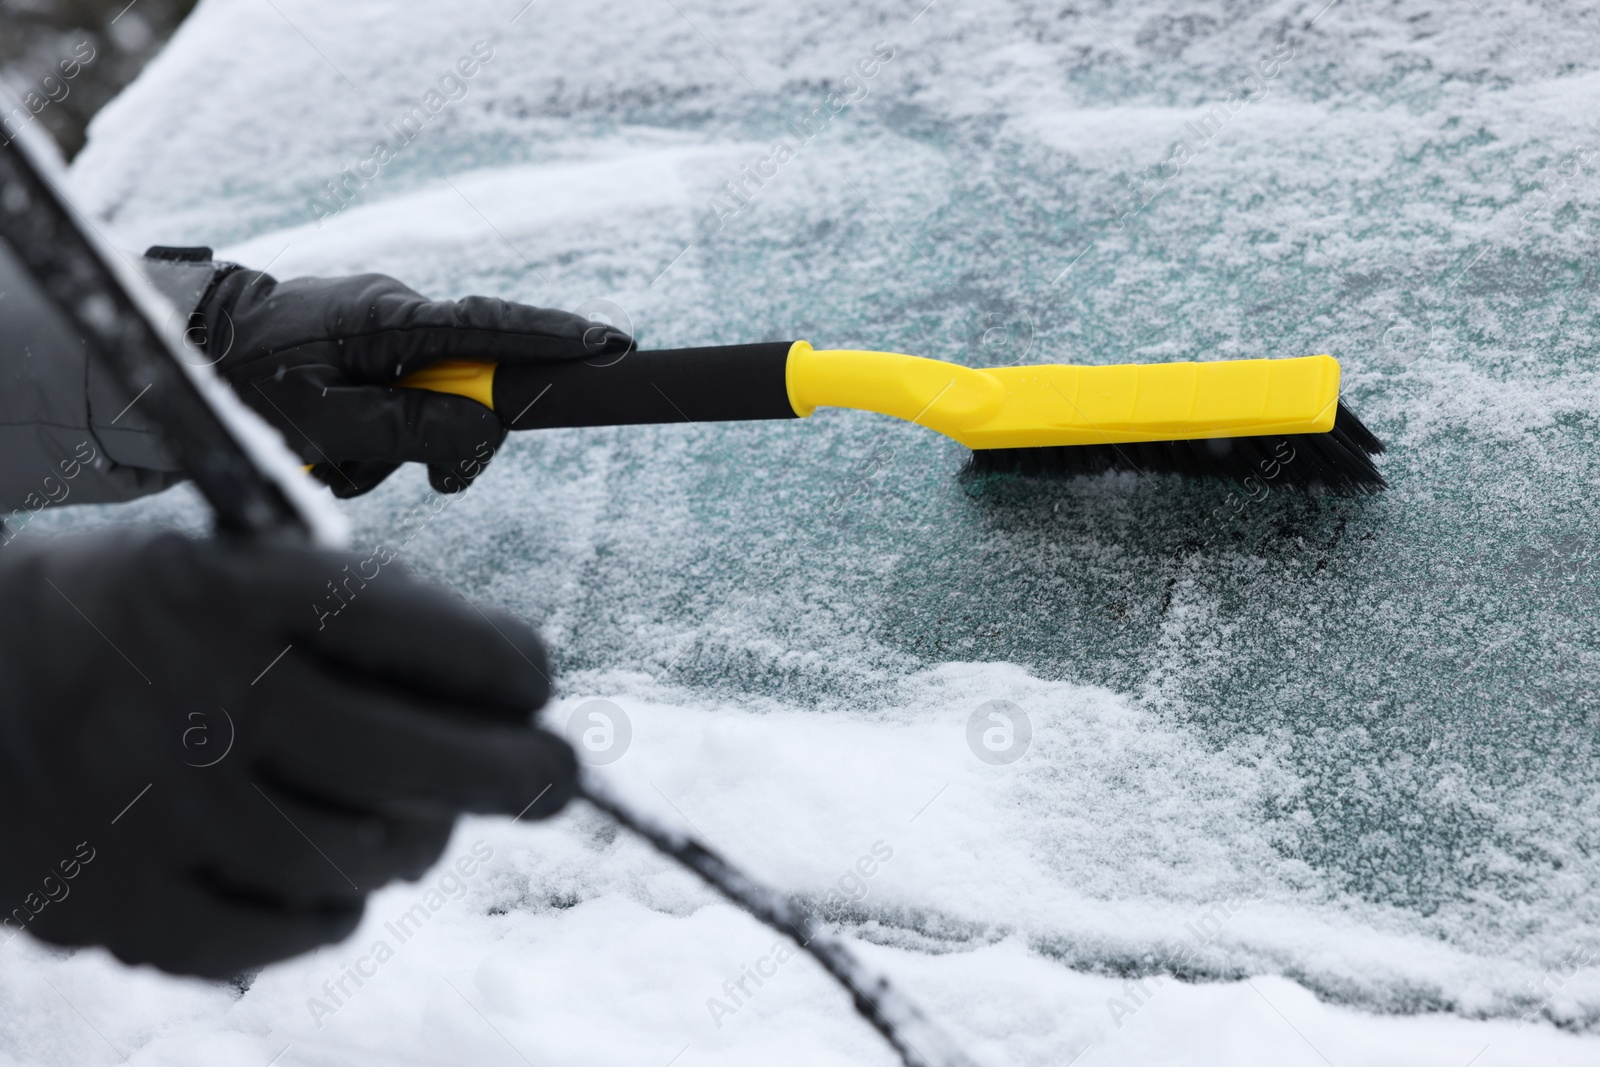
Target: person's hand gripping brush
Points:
(319, 359)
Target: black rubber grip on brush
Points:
(726, 383)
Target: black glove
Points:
(318, 359)
(207, 763)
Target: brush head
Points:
(1337, 462)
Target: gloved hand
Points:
(336, 745)
(318, 359)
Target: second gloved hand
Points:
(207, 763)
(318, 358)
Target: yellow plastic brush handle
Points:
(475, 381)
(1054, 404)
(1037, 406)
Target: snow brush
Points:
(1279, 421)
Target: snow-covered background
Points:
(1339, 757)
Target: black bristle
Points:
(1337, 462)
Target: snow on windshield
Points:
(1344, 749)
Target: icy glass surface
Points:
(1375, 718)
